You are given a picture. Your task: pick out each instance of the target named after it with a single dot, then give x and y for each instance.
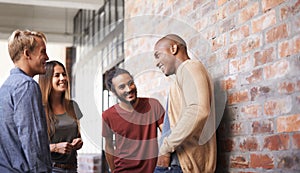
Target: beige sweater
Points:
(192, 114)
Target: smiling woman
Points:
(62, 116)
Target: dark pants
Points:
(173, 168)
(60, 170)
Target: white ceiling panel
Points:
(75, 4)
(53, 17)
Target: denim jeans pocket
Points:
(161, 169)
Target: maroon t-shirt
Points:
(136, 146)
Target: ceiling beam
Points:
(74, 4)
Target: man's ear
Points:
(174, 49)
(26, 53)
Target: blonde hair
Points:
(45, 82)
(21, 40)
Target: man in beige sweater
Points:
(191, 112)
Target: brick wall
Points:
(251, 47)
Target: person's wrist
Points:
(55, 149)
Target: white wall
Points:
(55, 51)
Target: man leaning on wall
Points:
(189, 144)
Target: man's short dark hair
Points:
(112, 73)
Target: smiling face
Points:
(164, 59)
(124, 88)
(59, 79)
(38, 58)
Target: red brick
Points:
(218, 42)
(268, 4)
(261, 161)
(263, 22)
(289, 11)
(277, 142)
(197, 3)
(232, 52)
(238, 128)
(241, 65)
(276, 70)
(251, 111)
(229, 82)
(212, 20)
(277, 33)
(284, 12)
(239, 33)
(239, 162)
(255, 92)
(221, 2)
(248, 13)
(251, 43)
(234, 6)
(227, 25)
(296, 141)
(265, 56)
(234, 66)
(249, 144)
(221, 13)
(288, 123)
(286, 87)
(265, 126)
(289, 47)
(278, 106)
(238, 97)
(256, 76)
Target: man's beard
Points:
(122, 98)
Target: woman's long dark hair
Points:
(45, 82)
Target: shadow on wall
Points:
(220, 105)
(220, 101)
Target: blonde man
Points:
(24, 143)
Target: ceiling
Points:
(53, 17)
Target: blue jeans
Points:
(171, 169)
(60, 170)
(174, 168)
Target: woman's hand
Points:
(62, 147)
(77, 143)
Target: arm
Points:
(31, 126)
(109, 150)
(77, 142)
(62, 147)
(193, 83)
